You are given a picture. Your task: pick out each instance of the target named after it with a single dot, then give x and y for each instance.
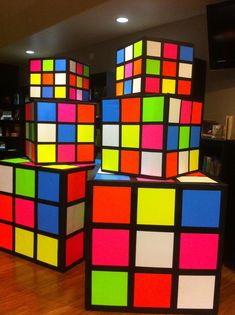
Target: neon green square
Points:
(48, 65)
(156, 206)
(16, 160)
(184, 137)
(138, 48)
(109, 288)
(85, 133)
(25, 182)
(86, 71)
(110, 159)
(153, 109)
(130, 136)
(153, 66)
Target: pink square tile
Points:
(35, 65)
(170, 51)
(24, 212)
(79, 95)
(152, 85)
(79, 68)
(185, 115)
(66, 112)
(128, 70)
(198, 251)
(66, 153)
(72, 94)
(110, 247)
(152, 136)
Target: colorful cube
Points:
(58, 78)
(60, 132)
(155, 246)
(157, 136)
(42, 212)
(154, 66)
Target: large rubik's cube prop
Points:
(60, 132)
(42, 212)
(156, 135)
(59, 78)
(154, 246)
(154, 66)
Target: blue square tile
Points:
(85, 96)
(48, 218)
(110, 110)
(186, 53)
(66, 133)
(48, 186)
(195, 137)
(47, 92)
(127, 87)
(201, 208)
(172, 137)
(120, 56)
(60, 65)
(46, 111)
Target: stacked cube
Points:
(154, 241)
(42, 199)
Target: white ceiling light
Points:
(30, 52)
(122, 19)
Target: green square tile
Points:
(138, 48)
(27, 130)
(152, 66)
(48, 65)
(25, 182)
(16, 160)
(109, 288)
(153, 109)
(86, 71)
(184, 137)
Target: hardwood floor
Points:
(27, 288)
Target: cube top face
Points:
(155, 136)
(154, 66)
(160, 248)
(60, 132)
(58, 78)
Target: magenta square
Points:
(66, 153)
(128, 70)
(66, 112)
(152, 85)
(35, 65)
(24, 212)
(170, 51)
(152, 136)
(110, 247)
(79, 68)
(72, 94)
(198, 251)
(185, 114)
(79, 95)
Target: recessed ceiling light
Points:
(122, 19)
(30, 52)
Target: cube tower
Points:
(42, 212)
(154, 66)
(154, 246)
(59, 78)
(60, 132)
(157, 136)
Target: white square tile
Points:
(196, 292)
(75, 218)
(46, 132)
(154, 249)
(185, 70)
(60, 78)
(196, 179)
(6, 178)
(35, 91)
(129, 53)
(151, 163)
(174, 110)
(183, 162)
(72, 66)
(153, 48)
(136, 88)
(110, 135)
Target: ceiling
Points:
(52, 27)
